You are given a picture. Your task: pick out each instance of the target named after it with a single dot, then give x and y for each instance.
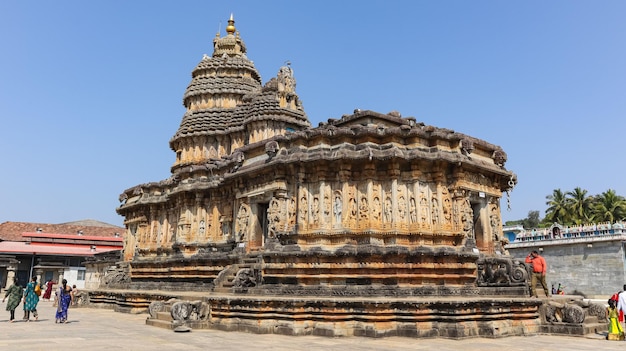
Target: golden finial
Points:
(230, 28)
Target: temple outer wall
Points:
(594, 269)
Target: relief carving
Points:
(303, 208)
(494, 221)
(292, 212)
(184, 226)
(315, 211)
(467, 219)
(201, 228)
(388, 210)
(376, 209)
(412, 210)
(327, 205)
(337, 207)
(363, 208)
(353, 209)
(401, 208)
(435, 211)
(274, 216)
(243, 220)
(447, 206)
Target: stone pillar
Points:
(10, 275)
(38, 274)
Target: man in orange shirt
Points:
(539, 273)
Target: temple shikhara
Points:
(370, 224)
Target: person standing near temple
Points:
(30, 300)
(48, 293)
(14, 293)
(64, 297)
(621, 303)
(539, 273)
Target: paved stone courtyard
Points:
(98, 329)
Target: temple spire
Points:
(230, 29)
(230, 44)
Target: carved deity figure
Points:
(412, 210)
(243, 218)
(303, 209)
(327, 208)
(376, 209)
(401, 208)
(315, 210)
(273, 217)
(435, 210)
(467, 219)
(201, 228)
(353, 208)
(447, 212)
(363, 209)
(493, 221)
(337, 208)
(388, 210)
(184, 226)
(292, 212)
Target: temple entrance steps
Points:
(163, 319)
(225, 281)
(179, 315)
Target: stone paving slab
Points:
(100, 329)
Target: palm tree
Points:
(609, 207)
(579, 205)
(557, 210)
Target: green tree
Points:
(557, 210)
(532, 221)
(579, 205)
(609, 207)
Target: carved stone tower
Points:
(369, 204)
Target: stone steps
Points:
(160, 323)
(164, 320)
(165, 316)
(228, 282)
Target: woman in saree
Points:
(48, 293)
(31, 299)
(64, 296)
(14, 293)
(616, 332)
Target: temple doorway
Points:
(263, 219)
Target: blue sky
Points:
(91, 91)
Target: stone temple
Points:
(371, 224)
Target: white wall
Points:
(71, 275)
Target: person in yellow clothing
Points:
(539, 273)
(616, 332)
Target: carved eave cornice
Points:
(345, 140)
(362, 154)
(408, 142)
(136, 220)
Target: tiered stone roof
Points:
(226, 93)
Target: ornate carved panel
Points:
(242, 225)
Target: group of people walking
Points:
(29, 297)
